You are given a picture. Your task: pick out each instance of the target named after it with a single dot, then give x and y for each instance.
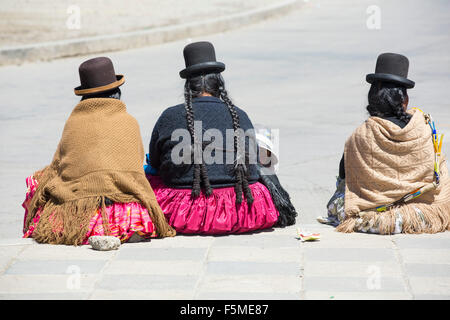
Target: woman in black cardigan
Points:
(206, 182)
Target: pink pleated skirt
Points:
(217, 214)
(124, 219)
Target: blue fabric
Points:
(148, 168)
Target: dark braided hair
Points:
(215, 85)
(114, 94)
(387, 99)
(199, 169)
(241, 170)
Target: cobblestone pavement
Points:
(304, 74)
(265, 265)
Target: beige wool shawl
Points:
(383, 163)
(100, 155)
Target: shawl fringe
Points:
(68, 222)
(415, 217)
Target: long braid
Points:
(236, 125)
(247, 190)
(190, 125)
(200, 172)
(238, 184)
(205, 179)
(241, 171)
(203, 171)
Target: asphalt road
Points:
(303, 74)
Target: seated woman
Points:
(200, 195)
(95, 184)
(393, 177)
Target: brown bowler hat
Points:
(97, 75)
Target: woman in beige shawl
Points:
(393, 177)
(96, 183)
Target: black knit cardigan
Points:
(214, 114)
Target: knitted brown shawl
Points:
(382, 164)
(100, 155)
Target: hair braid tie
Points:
(207, 184)
(238, 185)
(247, 190)
(196, 184)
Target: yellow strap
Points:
(440, 144)
(419, 110)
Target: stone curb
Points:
(135, 39)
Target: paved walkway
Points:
(266, 265)
(303, 74)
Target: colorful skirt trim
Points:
(125, 219)
(217, 214)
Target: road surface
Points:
(303, 74)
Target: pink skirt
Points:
(124, 219)
(217, 214)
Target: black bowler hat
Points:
(97, 75)
(200, 58)
(391, 67)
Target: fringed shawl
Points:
(100, 155)
(382, 164)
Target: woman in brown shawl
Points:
(95, 184)
(393, 176)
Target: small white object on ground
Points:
(323, 220)
(104, 243)
(307, 235)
